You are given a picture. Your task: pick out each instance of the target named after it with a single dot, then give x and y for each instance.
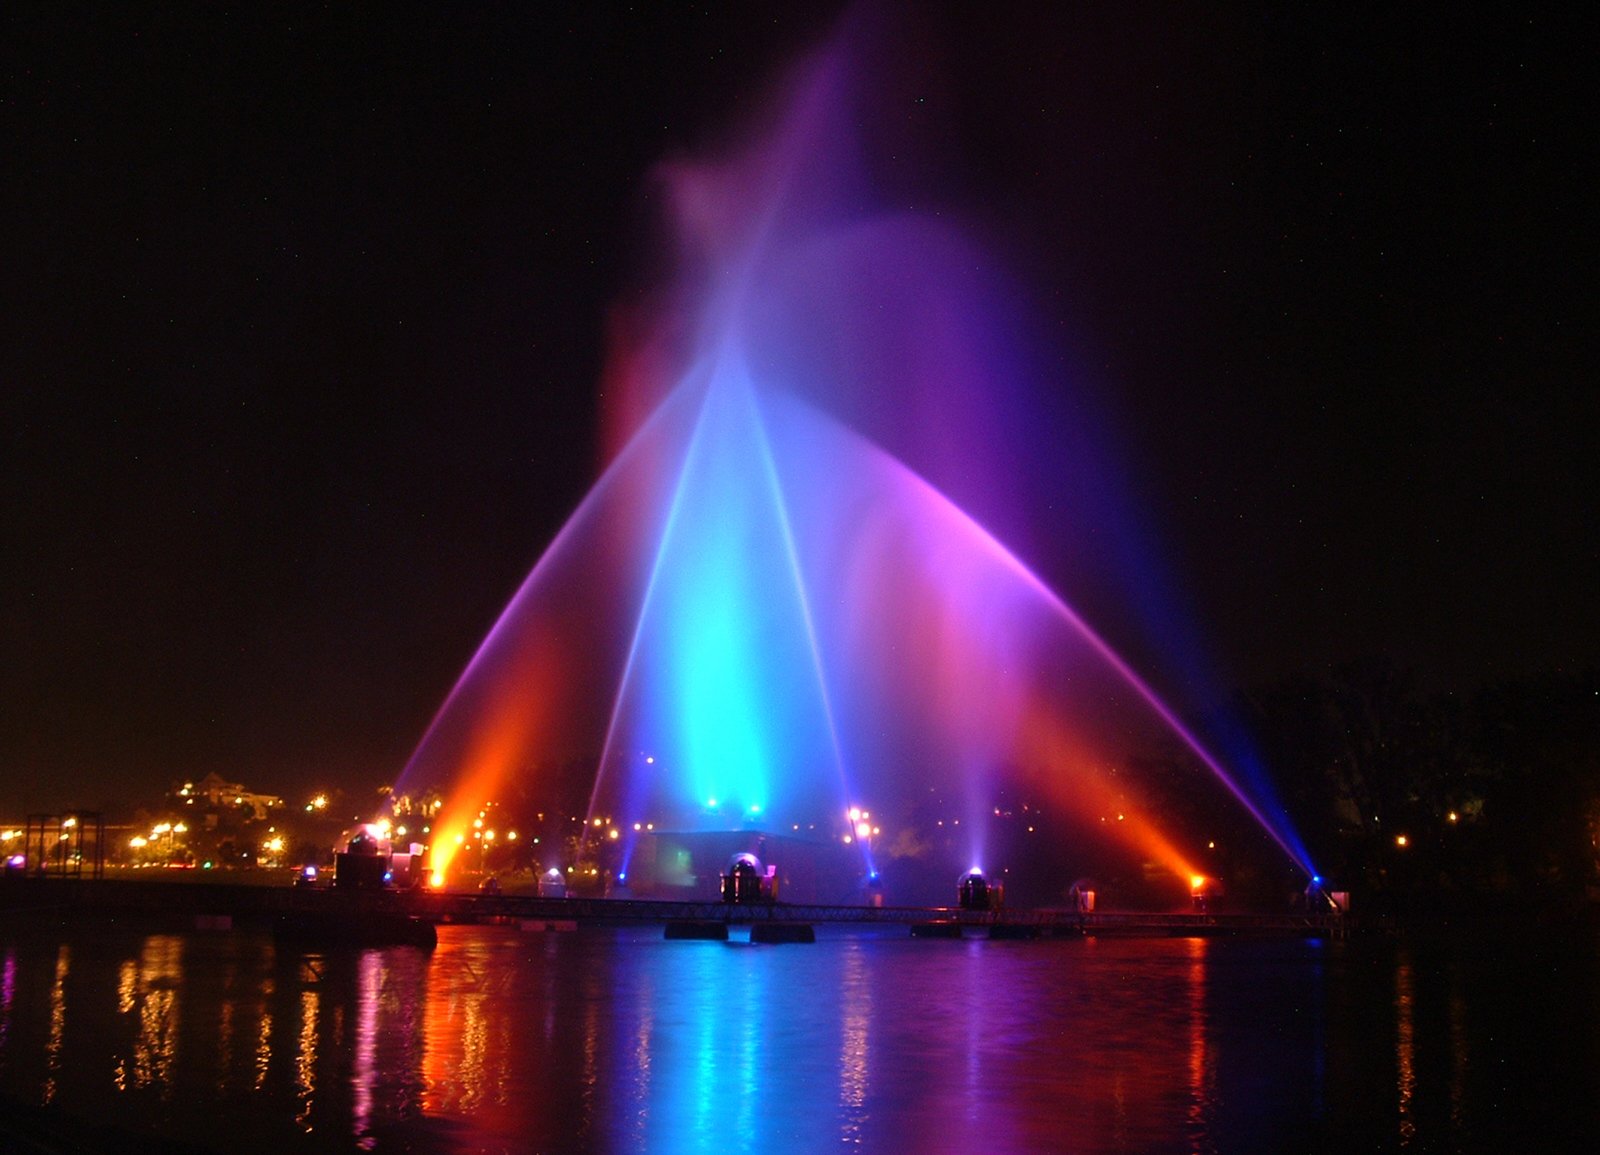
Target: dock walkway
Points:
(186, 903)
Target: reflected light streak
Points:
(127, 986)
(226, 1027)
(368, 995)
(634, 1079)
(854, 1046)
(263, 1056)
(8, 991)
(156, 1045)
(976, 1030)
(753, 1025)
(1405, 1048)
(305, 1060)
(1460, 1053)
(457, 1075)
(1202, 1076)
(592, 1086)
(58, 1020)
(641, 1048)
(225, 1043)
(704, 1090)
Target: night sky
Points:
(304, 313)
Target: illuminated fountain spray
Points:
(761, 617)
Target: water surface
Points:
(616, 1040)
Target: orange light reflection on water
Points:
(619, 1040)
(1202, 1075)
(305, 1061)
(58, 1020)
(1405, 1048)
(466, 1056)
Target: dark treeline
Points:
(1410, 799)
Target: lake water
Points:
(620, 1041)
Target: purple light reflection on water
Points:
(8, 991)
(622, 1041)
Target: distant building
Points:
(217, 794)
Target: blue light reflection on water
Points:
(620, 1041)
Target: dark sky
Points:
(303, 312)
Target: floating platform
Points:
(1015, 931)
(697, 930)
(781, 932)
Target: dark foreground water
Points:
(615, 1040)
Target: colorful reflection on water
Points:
(620, 1041)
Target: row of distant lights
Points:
(157, 832)
(12, 835)
(320, 802)
(860, 822)
(858, 818)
